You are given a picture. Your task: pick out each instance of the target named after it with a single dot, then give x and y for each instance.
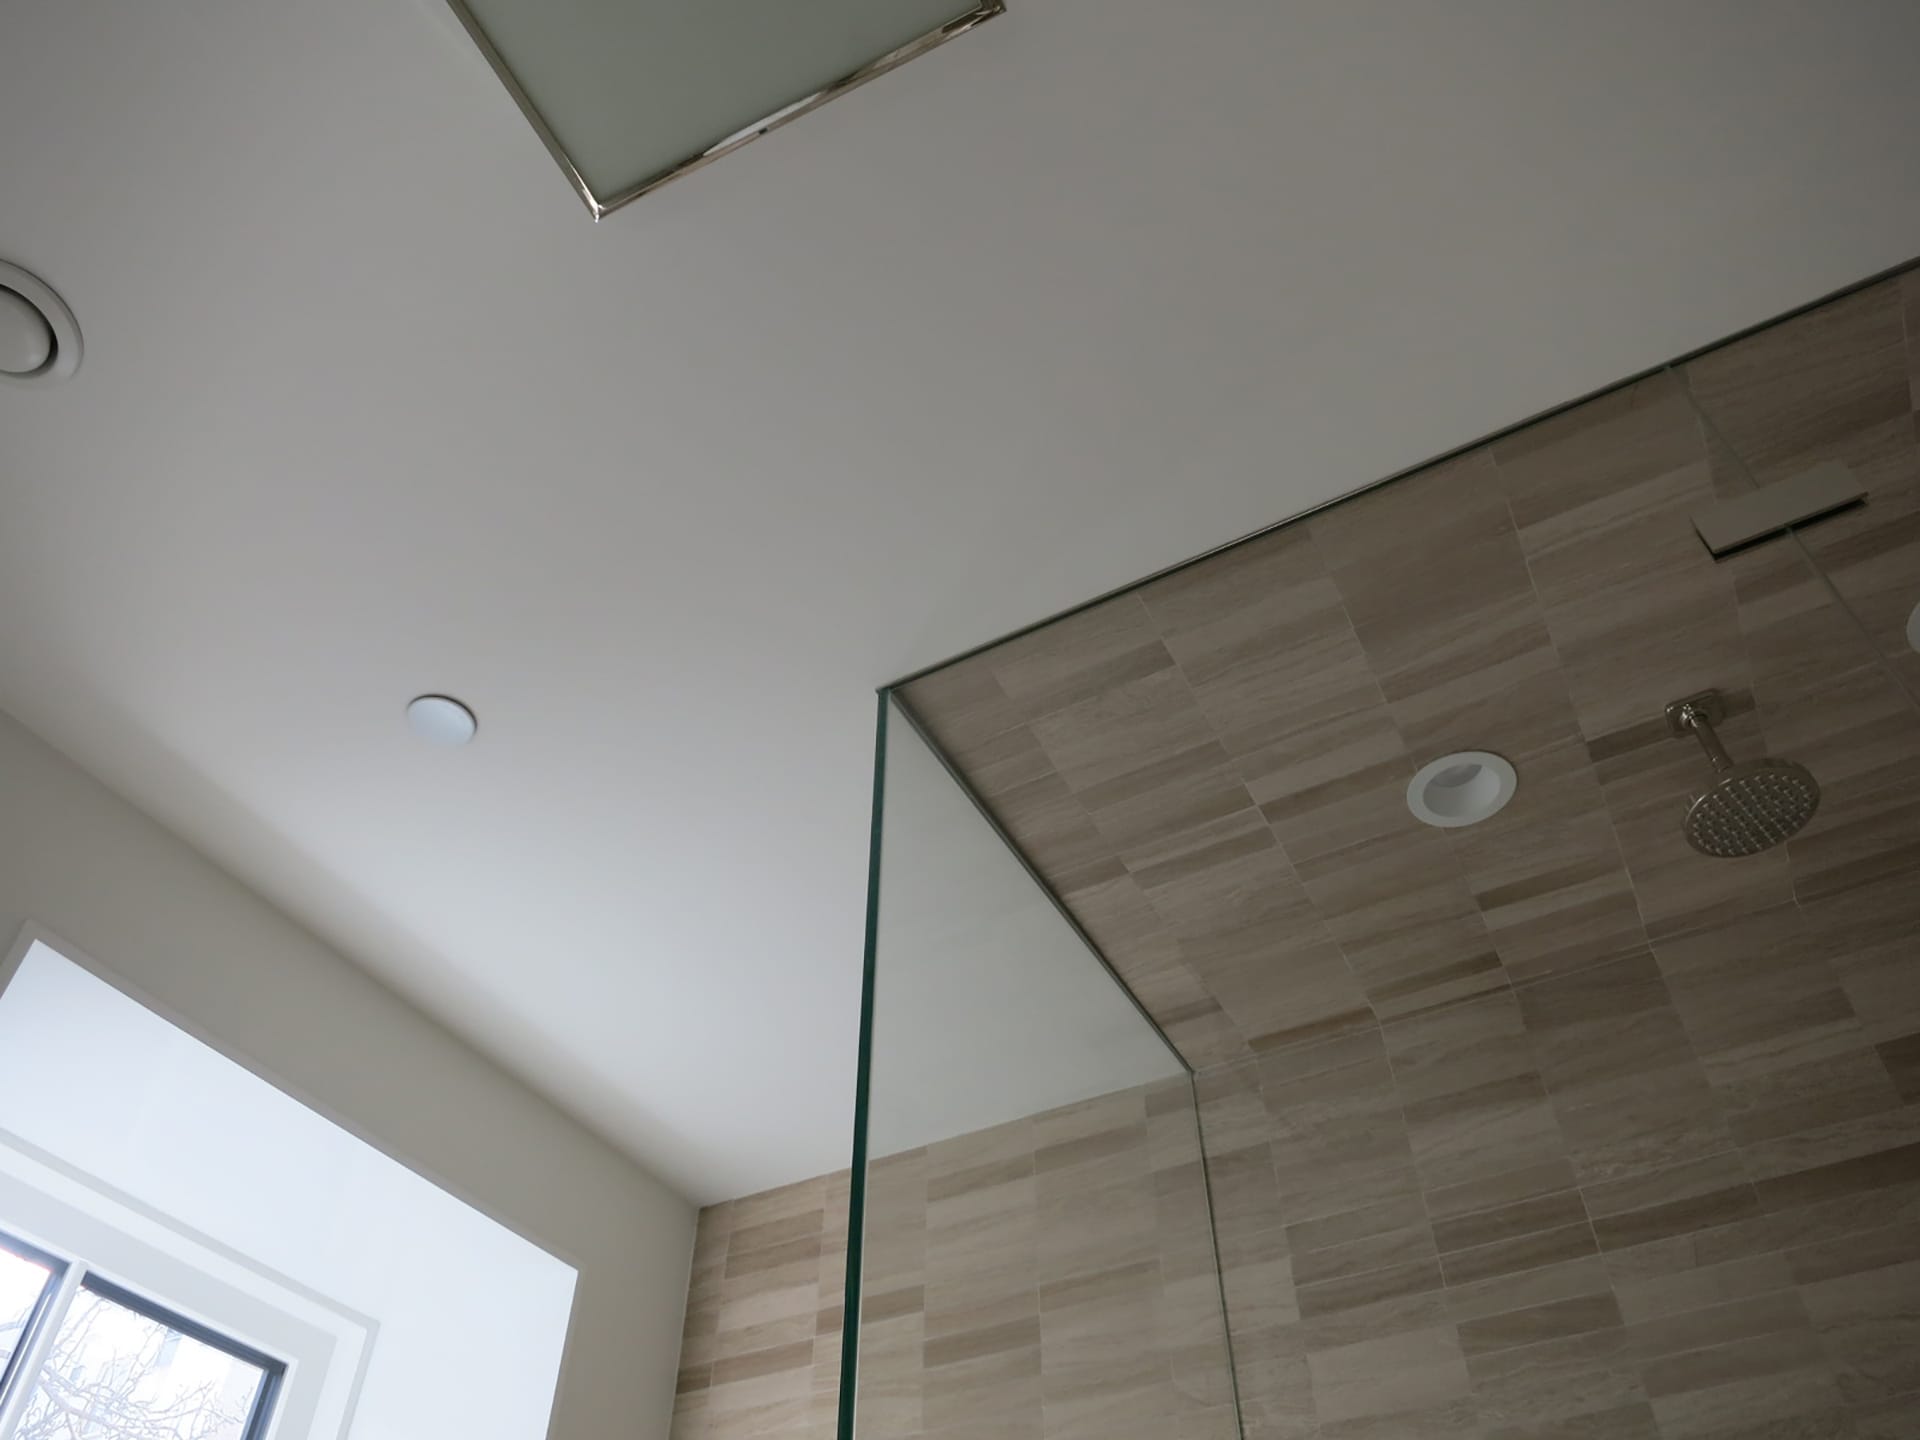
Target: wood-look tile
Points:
(1901, 1056)
(1552, 1211)
(1262, 637)
(1402, 913)
(1836, 1160)
(1474, 1101)
(1552, 1320)
(1775, 1388)
(1524, 1290)
(1518, 1252)
(976, 726)
(1399, 1245)
(1678, 1200)
(1776, 1032)
(1471, 657)
(1869, 1322)
(1368, 1288)
(1629, 1091)
(1867, 934)
(1547, 872)
(1885, 1419)
(1340, 1141)
(1555, 1381)
(1670, 1291)
(1409, 1371)
(1328, 787)
(1446, 1201)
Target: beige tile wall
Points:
(1051, 1277)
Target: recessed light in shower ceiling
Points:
(627, 97)
(1461, 789)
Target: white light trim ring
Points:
(441, 720)
(1461, 789)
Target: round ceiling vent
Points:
(1461, 789)
(39, 338)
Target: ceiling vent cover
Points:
(39, 338)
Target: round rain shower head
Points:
(1752, 807)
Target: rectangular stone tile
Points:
(1798, 1402)
(1553, 1211)
(1668, 1290)
(1398, 1245)
(1401, 911)
(1340, 1140)
(1834, 1160)
(1869, 1321)
(1554, 1320)
(1655, 1341)
(1694, 1195)
(1773, 1352)
(1841, 1255)
(1526, 1183)
(1523, 1252)
(1867, 933)
(1547, 872)
(1902, 1058)
(1774, 1029)
(1555, 1381)
(1413, 1370)
(1630, 1093)
(1574, 1279)
(1368, 1288)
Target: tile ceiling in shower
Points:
(1548, 1126)
(1210, 770)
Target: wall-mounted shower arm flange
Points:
(1708, 705)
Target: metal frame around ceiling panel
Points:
(600, 206)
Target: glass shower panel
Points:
(1031, 1227)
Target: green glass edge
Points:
(863, 1086)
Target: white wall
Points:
(216, 959)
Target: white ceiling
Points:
(369, 407)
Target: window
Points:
(82, 1358)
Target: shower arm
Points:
(1697, 716)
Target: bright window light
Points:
(90, 1360)
(190, 1253)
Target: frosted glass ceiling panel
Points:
(630, 93)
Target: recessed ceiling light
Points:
(39, 338)
(1461, 789)
(441, 720)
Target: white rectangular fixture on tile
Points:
(629, 95)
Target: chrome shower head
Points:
(1753, 806)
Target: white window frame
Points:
(68, 1276)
